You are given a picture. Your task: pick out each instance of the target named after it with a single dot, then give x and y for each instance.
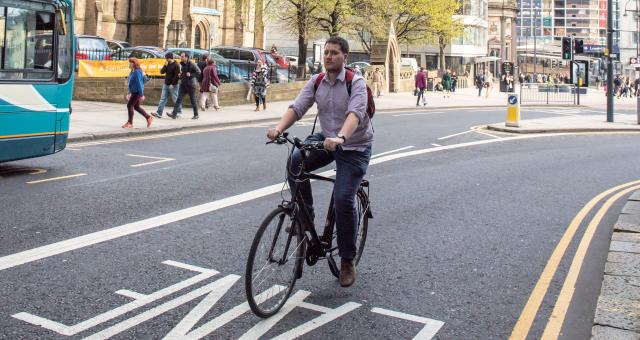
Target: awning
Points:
(486, 59)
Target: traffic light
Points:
(578, 46)
(566, 48)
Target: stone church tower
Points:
(174, 23)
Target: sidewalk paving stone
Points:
(610, 333)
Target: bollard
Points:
(513, 111)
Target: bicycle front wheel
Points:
(275, 262)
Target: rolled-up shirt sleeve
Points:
(358, 100)
(305, 98)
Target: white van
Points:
(409, 62)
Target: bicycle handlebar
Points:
(299, 144)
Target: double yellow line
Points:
(554, 325)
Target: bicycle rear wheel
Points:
(275, 262)
(362, 210)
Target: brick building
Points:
(173, 23)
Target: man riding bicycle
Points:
(347, 136)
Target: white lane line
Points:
(391, 151)
(55, 179)
(317, 322)
(455, 134)
(314, 307)
(436, 145)
(83, 241)
(415, 114)
(488, 134)
(159, 160)
(430, 329)
(131, 294)
(265, 325)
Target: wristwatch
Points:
(344, 139)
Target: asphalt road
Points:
(461, 234)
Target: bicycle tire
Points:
(259, 296)
(363, 226)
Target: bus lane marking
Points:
(430, 329)
(212, 293)
(157, 160)
(56, 178)
(126, 308)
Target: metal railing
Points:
(543, 93)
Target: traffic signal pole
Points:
(609, 61)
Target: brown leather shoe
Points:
(347, 273)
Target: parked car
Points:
(361, 64)
(90, 47)
(116, 45)
(410, 62)
(246, 58)
(282, 61)
(192, 53)
(138, 52)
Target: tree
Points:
(333, 16)
(446, 25)
(298, 17)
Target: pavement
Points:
(618, 312)
(99, 120)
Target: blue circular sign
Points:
(513, 100)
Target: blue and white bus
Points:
(36, 77)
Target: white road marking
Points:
(231, 314)
(114, 313)
(265, 325)
(317, 322)
(55, 179)
(415, 114)
(431, 327)
(83, 241)
(215, 289)
(391, 151)
(455, 134)
(131, 294)
(159, 160)
(315, 307)
(487, 134)
(434, 144)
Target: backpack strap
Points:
(348, 79)
(318, 82)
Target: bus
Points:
(36, 77)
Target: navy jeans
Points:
(351, 166)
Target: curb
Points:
(558, 130)
(618, 309)
(156, 131)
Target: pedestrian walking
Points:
(357, 70)
(210, 85)
(488, 84)
(446, 84)
(259, 84)
(202, 64)
(479, 80)
(421, 85)
(378, 82)
(188, 79)
(136, 93)
(454, 81)
(171, 86)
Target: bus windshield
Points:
(28, 42)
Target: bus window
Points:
(65, 44)
(28, 45)
(2, 29)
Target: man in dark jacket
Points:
(479, 83)
(171, 70)
(188, 79)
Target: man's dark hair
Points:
(344, 45)
(168, 55)
(204, 57)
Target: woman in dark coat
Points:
(210, 85)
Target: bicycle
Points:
(287, 238)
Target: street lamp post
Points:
(535, 33)
(637, 69)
